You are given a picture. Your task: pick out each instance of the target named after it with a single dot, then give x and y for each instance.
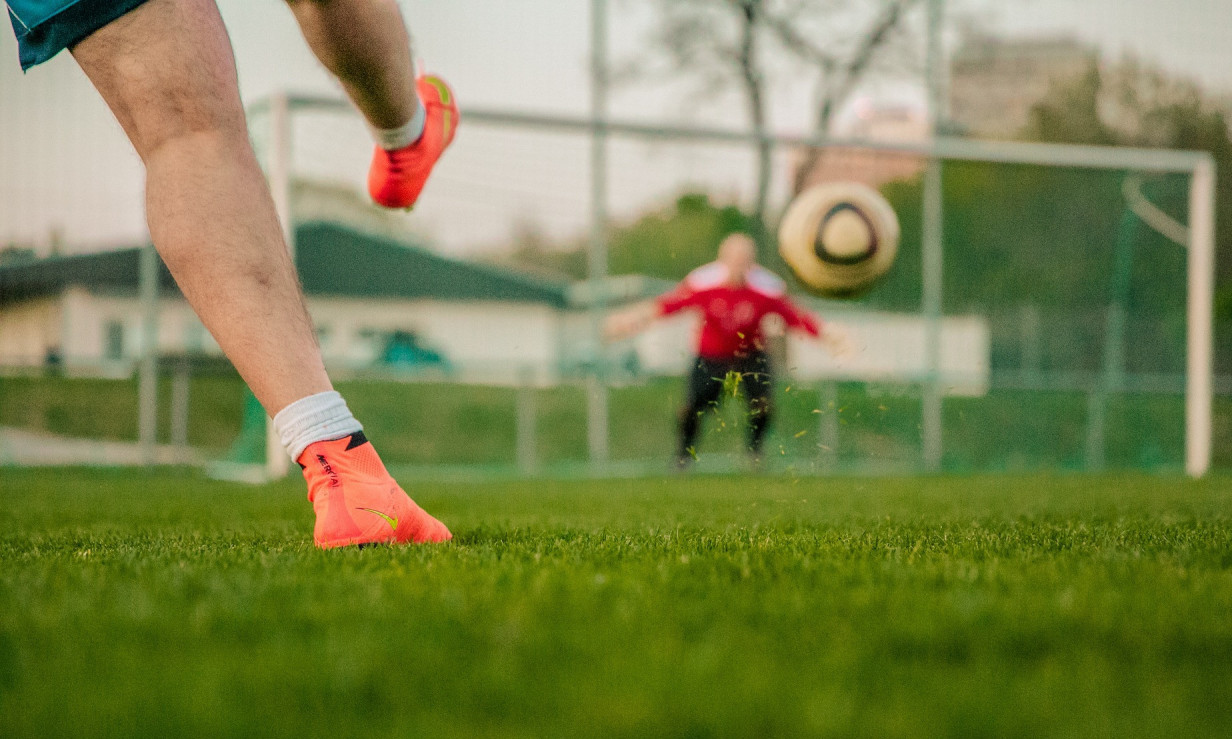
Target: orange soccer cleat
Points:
(356, 500)
(396, 177)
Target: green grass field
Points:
(162, 604)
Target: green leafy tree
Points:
(671, 242)
(666, 243)
(1130, 104)
(533, 250)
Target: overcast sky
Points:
(64, 163)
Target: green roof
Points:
(332, 260)
(115, 269)
(336, 260)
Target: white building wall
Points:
(87, 317)
(28, 331)
(83, 333)
(890, 347)
(484, 341)
(490, 342)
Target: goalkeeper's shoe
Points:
(356, 500)
(396, 177)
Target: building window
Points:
(113, 340)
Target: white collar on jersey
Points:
(714, 275)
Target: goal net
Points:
(1068, 326)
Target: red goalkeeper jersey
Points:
(732, 316)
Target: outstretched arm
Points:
(798, 318)
(831, 335)
(837, 341)
(633, 320)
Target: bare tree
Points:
(752, 84)
(730, 43)
(838, 72)
(719, 42)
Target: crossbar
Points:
(943, 147)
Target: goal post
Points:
(1199, 389)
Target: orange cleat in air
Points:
(396, 177)
(356, 500)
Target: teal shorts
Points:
(44, 28)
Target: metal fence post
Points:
(181, 383)
(147, 383)
(827, 422)
(527, 421)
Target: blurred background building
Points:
(872, 121)
(995, 81)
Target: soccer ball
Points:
(839, 238)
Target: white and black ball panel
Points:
(845, 236)
(839, 238)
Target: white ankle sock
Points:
(404, 135)
(320, 417)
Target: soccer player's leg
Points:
(758, 387)
(166, 71)
(702, 395)
(364, 43)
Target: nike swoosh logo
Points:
(391, 520)
(441, 88)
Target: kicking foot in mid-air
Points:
(358, 502)
(397, 176)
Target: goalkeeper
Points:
(733, 294)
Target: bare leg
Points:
(365, 45)
(167, 72)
